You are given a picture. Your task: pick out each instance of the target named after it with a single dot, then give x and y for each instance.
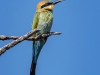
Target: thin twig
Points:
(15, 42)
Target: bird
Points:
(43, 20)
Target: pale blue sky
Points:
(75, 52)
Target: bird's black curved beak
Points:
(57, 1)
(51, 3)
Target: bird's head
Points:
(47, 4)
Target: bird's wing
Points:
(35, 21)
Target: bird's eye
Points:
(42, 6)
(47, 4)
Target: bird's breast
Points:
(45, 21)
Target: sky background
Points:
(75, 52)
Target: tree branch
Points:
(3, 37)
(18, 40)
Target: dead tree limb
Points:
(3, 37)
(15, 42)
(18, 39)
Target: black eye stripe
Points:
(47, 4)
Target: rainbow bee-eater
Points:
(42, 20)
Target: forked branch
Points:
(18, 39)
(3, 37)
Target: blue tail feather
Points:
(37, 46)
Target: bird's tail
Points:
(33, 67)
(37, 46)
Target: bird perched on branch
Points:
(42, 20)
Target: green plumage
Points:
(43, 21)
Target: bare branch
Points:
(18, 39)
(46, 35)
(15, 42)
(3, 37)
